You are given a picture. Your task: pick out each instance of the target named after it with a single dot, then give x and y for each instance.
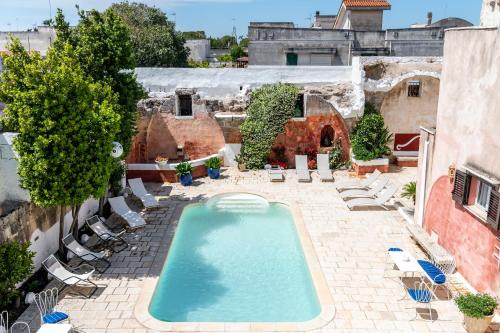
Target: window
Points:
(185, 106)
(299, 107)
(483, 195)
(414, 89)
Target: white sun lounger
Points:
(85, 254)
(276, 174)
(120, 207)
(106, 235)
(302, 168)
(138, 189)
(325, 174)
(373, 192)
(358, 184)
(379, 200)
(67, 277)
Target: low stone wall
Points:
(20, 223)
(164, 176)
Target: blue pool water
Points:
(235, 259)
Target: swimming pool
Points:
(236, 258)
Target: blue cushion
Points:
(434, 273)
(54, 317)
(395, 249)
(420, 295)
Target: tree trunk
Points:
(74, 225)
(62, 211)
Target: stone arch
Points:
(306, 132)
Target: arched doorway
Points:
(327, 137)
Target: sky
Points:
(217, 17)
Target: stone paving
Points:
(350, 245)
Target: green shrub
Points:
(336, 157)
(370, 137)
(115, 178)
(225, 57)
(476, 306)
(213, 163)
(271, 106)
(237, 52)
(16, 264)
(198, 64)
(410, 191)
(183, 168)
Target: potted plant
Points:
(183, 171)
(213, 165)
(478, 311)
(161, 160)
(241, 163)
(369, 141)
(410, 191)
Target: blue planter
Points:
(186, 180)
(213, 173)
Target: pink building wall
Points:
(467, 133)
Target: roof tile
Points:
(367, 3)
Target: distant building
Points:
(199, 49)
(333, 40)
(39, 39)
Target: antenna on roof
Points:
(50, 11)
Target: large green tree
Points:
(103, 46)
(155, 41)
(66, 124)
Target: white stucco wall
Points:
(490, 13)
(199, 49)
(32, 40)
(9, 182)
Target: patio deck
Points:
(350, 245)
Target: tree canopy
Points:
(66, 124)
(194, 35)
(105, 52)
(155, 41)
(224, 42)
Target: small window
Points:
(483, 195)
(414, 89)
(185, 106)
(299, 107)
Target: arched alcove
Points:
(327, 136)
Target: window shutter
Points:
(493, 218)
(461, 187)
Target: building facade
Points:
(458, 198)
(334, 40)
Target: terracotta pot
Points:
(242, 167)
(477, 325)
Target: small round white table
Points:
(55, 328)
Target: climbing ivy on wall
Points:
(271, 106)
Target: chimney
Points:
(429, 18)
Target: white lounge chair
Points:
(276, 174)
(138, 189)
(85, 254)
(358, 184)
(4, 324)
(371, 193)
(302, 168)
(69, 276)
(379, 200)
(325, 174)
(120, 207)
(111, 239)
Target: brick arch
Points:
(302, 133)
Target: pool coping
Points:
(141, 310)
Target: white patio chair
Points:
(120, 207)
(111, 240)
(85, 254)
(17, 327)
(46, 301)
(276, 174)
(325, 174)
(302, 168)
(358, 184)
(371, 193)
(380, 200)
(138, 189)
(69, 277)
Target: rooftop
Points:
(367, 3)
